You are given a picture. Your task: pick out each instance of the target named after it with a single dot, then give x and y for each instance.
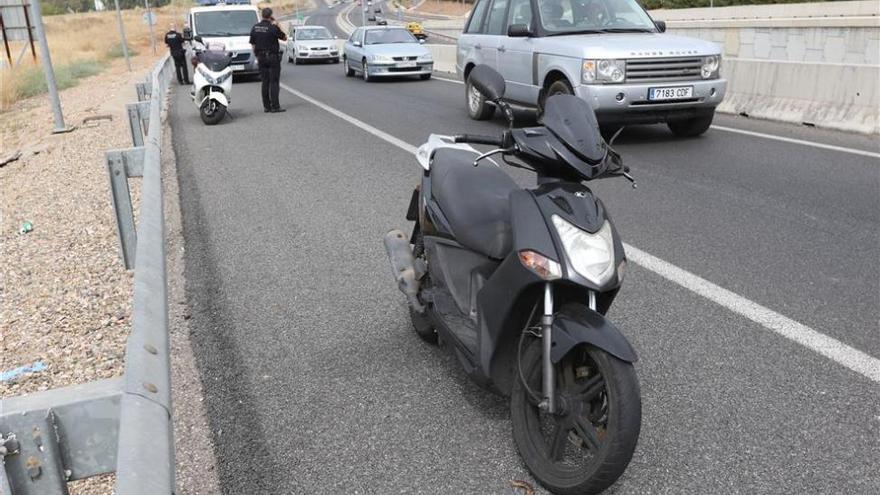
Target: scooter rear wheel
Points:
(588, 443)
(212, 112)
(421, 322)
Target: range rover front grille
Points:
(663, 69)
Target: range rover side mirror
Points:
(356, 43)
(198, 39)
(661, 26)
(421, 41)
(519, 31)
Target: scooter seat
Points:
(474, 200)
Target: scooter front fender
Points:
(215, 95)
(577, 324)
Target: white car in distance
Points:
(308, 43)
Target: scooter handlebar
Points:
(477, 139)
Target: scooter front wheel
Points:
(587, 444)
(212, 112)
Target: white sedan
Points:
(311, 43)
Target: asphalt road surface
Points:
(315, 382)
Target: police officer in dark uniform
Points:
(264, 40)
(174, 40)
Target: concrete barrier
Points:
(444, 57)
(813, 63)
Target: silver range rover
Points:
(608, 52)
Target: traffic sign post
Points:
(150, 18)
(46, 62)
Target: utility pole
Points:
(46, 61)
(150, 23)
(122, 36)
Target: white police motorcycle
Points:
(212, 81)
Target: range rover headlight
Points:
(711, 66)
(591, 255)
(603, 71)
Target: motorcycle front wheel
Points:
(212, 112)
(587, 444)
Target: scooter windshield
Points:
(574, 123)
(215, 60)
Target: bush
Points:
(30, 81)
(115, 51)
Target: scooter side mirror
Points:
(488, 82)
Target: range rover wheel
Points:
(477, 106)
(691, 127)
(560, 87)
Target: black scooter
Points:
(517, 282)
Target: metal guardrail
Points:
(119, 424)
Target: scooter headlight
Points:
(223, 77)
(591, 255)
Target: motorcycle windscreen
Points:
(214, 60)
(574, 123)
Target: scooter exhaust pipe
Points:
(403, 267)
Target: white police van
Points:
(231, 25)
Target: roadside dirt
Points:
(65, 296)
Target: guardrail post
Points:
(135, 124)
(40, 470)
(121, 165)
(141, 90)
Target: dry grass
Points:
(81, 43)
(445, 7)
(78, 43)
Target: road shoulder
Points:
(194, 447)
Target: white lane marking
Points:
(774, 137)
(359, 123)
(799, 333)
(814, 144)
(456, 81)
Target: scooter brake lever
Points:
(488, 154)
